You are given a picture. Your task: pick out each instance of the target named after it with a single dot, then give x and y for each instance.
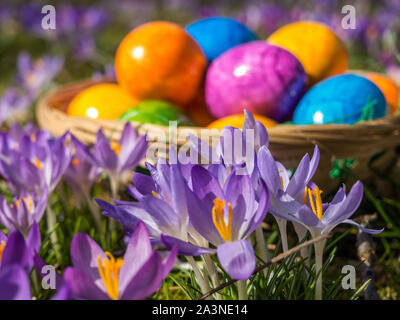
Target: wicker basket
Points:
(288, 143)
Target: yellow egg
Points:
(101, 101)
(237, 121)
(317, 47)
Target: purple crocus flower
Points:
(35, 163)
(161, 205)
(286, 191)
(12, 104)
(116, 158)
(320, 218)
(35, 75)
(97, 275)
(23, 212)
(225, 216)
(81, 174)
(236, 147)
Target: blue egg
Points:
(345, 98)
(218, 34)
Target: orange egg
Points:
(101, 101)
(159, 60)
(318, 48)
(388, 88)
(197, 109)
(237, 121)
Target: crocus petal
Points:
(105, 156)
(62, 294)
(298, 181)
(162, 214)
(142, 185)
(16, 252)
(307, 217)
(205, 184)
(82, 285)
(269, 170)
(363, 229)
(169, 262)
(345, 209)
(185, 248)
(313, 164)
(137, 153)
(237, 258)
(3, 237)
(84, 254)
(33, 238)
(14, 283)
(122, 216)
(137, 253)
(146, 281)
(200, 213)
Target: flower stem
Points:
(204, 285)
(319, 252)
(212, 271)
(114, 183)
(94, 210)
(51, 223)
(242, 289)
(262, 247)
(282, 230)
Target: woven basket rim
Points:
(379, 126)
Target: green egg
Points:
(156, 112)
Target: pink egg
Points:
(257, 76)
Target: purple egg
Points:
(257, 76)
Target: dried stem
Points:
(268, 263)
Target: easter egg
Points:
(101, 101)
(317, 47)
(156, 112)
(388, 87)
(160, 60)
(262, 78)
(197, 109)
(218, 34)
(346, 98)
(237, 121)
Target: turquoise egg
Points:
(216, 35)
(345, 98)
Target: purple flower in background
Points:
(116, 158)
(97, 275)
(35, 75)
(81, 174)
(35, 163)
(12, 104)
(23, 212)
(225, 216)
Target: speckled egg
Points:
(345, 98)
(262, 78)
(218, 34)
(319, 49)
